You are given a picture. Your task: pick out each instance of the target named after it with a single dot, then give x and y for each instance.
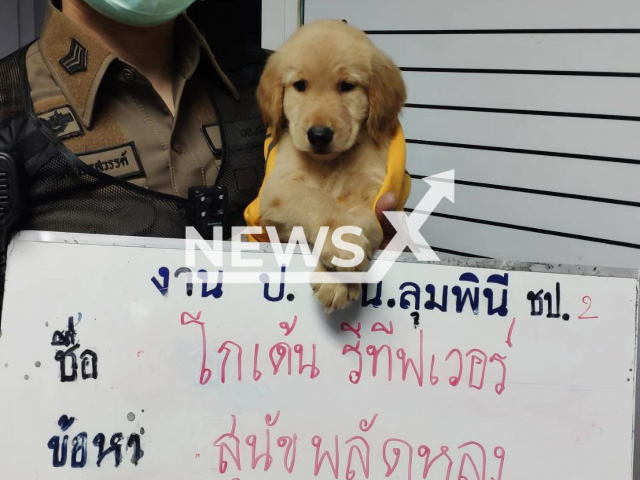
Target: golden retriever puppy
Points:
(331, 100)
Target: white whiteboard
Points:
(535, 104)
(564, 410)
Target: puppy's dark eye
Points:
(346, 86)
(300, 85)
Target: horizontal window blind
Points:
(536, 105)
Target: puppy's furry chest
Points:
(353, 177)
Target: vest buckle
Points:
(209, 209)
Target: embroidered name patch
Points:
(62, 121)
(121, 161)
(214, 139)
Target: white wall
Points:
(280, 18)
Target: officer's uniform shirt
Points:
(110, 116)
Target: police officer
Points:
(119, 120)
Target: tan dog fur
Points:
(336, 188)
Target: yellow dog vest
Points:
(397, 181)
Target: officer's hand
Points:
(386, 203)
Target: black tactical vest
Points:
(61, 193)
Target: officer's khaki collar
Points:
(78, 62)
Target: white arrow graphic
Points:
(408, 227)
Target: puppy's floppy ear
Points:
(387, 94)
(270, 95)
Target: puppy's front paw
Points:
(331, 252)
(334, 296)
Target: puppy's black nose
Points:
(320, 136)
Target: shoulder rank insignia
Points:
(76, 60)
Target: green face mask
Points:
(140, 13)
